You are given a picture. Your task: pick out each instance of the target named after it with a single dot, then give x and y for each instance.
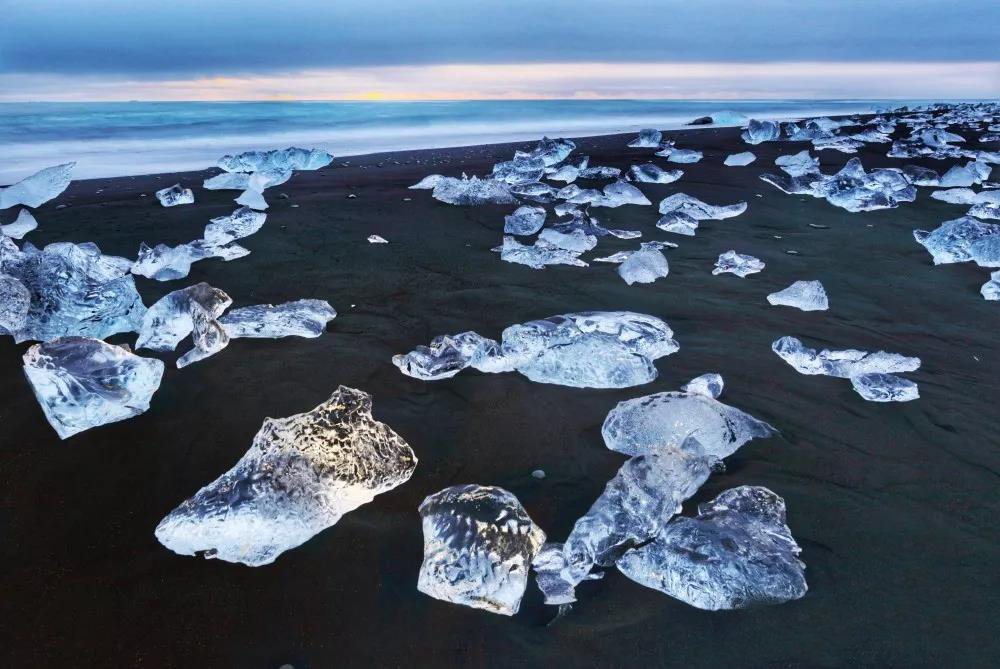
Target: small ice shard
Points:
(173, 316)
(739, 159)
(22, 225)
(377, 239)
(991, 289)
(761, 131)
(526, 220)
(252, 198)
(576, 240)
(39, 188)
(596, 349)
(683, 156)
(175, 195)
(241, 223)
(654, 174)
(877, 387)
(82, 382)
(621, 192)
(300, 476)
(279, 159)
(478, 546)
(301, 318)
(804, 295)
(538, 255)
(736, 553)
(645, 265)
(75, 291)
(961, 240)
(472, 192)
(843, 364)
(681, 213)
(739, 264)
(428, 183)
(649, 138)
(600, 172)
(164, 263)
(15, 300)
(641, 425)
(798, 164)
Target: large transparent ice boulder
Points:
(739, 264)
(165, 263)
(804, 295)
(301, 318)
(279, 159)
(22, 225)
(761, 131)
(736, 553)
(175, 195)
(643, 424)
(526, 220)
(961, 240)
(300, 476)
(75, 291)
(39, 188)
(478, 546)
(81, 382)
(649, 138)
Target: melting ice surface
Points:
(876, 387)
(852, 188)
(280, 159)
(165, 263)
(526, 220)
(241, 223)
(15, 300)
(301, 318)
(301, 474)
(478, 546)
(82, 382)
(739, 159)
(736, 553)
(597, 349)
(471, 192)
(175, 195)
(961, 240)
(737, 263)
(538, 255)
(645, 265)
(22, 225)
(761, 131)
(39, 188)
(804, 295)
(682, 213)
(188, 311)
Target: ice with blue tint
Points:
(991, 289)
(241, 223)
(39, 188)
(798, 164)
(961, 240)
(852, 188)
(675, 155)
(537, 255)
(876, 387)
(600, 172)
(739, 264)
(649, 138)
(738, 552)
(479, 543)
(299, 477)
(15, 300)
(22, 225)
(472, 191)
(81, 382)
(188, 311)
(654, 174)
(682, 213)
(620, 193)
(581, 220)
(280, 159)
(645, 265)
(739, 159)
(175, 195)
(165, 263)
(301, 318)
(572, 240)
(804, 295)
(761, 131)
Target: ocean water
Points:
(126, 138)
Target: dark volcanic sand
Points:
(894, 505)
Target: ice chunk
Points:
(478, 546)
(645, 265)
(190, 310)
(15, 300)
(961, 240)
(549, 151)
(22, 225)
(576, 240)
(75, 291)
(804, 295)
(175, 195)
(279, 159)
(798, 164)
(241, 223)
(538, 255)
(955, 195)
(654, 174)
(301, 318)
(551, 573)
(600, 172)
(649, 138)
(876, 387)
(428, 183)
(252, 198)
(641, 425)
(471, 192)
(82, 382)
(737, 553)
(567, 173)
(449, 354)
(991, 289)
(852, 188)
(300, 476)
(761, 131)
(535, 192)
(526, 220)
(966, 175)
(683, 156)
(228, 181)
(524, 169)
(584, 222)
(621, 192)
(39, 188)
(207, 335)
(842, 144)
(841, 364)
(377, 239)
(921, 176)
(737, 263)
(681, 213)
(739, 159)
(164, 263)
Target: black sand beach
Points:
(894, 505)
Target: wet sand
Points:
(894, 505)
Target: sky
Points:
(443, 49)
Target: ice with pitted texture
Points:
(478, 546)
(472, 191)
(645, 265)
(761, 131)
(565, 173)
(842, 144)
(804, 295)
(75, 291)
(188, 311)
(597, 349)
(739, 159)
(600, 172)
(241, 223)
(550, 151)
(175, 195)
(279, 159)
(962, 240)
(165, 263)
(39, 188)
(301, 318)
(526, 220)
(842, 364)
(739, 264)
(798, 164)
(641, 425)
(738, 552)
(15, 300)
(876, 387)
(538, 255)
(22, 225)
(300, 476)
(654, 174)
(82, 382)
(649, 138)
(991, 289)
